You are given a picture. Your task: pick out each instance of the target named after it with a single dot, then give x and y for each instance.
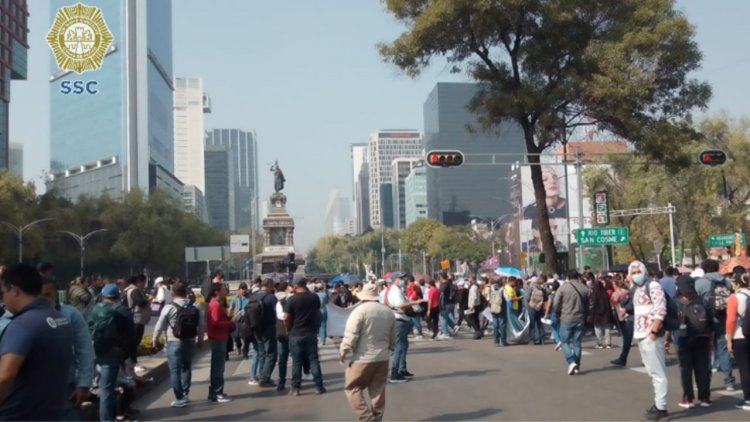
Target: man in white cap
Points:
(369, 337)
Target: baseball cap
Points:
(110, 290)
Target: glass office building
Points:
(130, 117)
(14, 16)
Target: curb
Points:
(160, 373)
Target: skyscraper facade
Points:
(243, 151)
(415, 192)
(13, 62)
(220, 186)
(130, 118)
(15, 159)
(190, 103)
(359, 157)
(383, 147)
(457, 195)
(400, 168)
(363, 199)
(337, 215)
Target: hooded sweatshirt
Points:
(648, 306)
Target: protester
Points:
(694, 340)
(499, 317)
(737, 328)
(236, 312)
(463, 303)
(262, 306)
(448, 299)
(414, 294)
(650, 306)
(668, 283)
(183, 326)
(369, 336)
(535, 298)
(218, 327)
(622, 301)
(34, 375)
(551, 316)
(571, 307)
(433, 309)
(600, 315)
(302, 322)
(139, 306)
(715, 289)
(320, 290)
(394, 298)
(78, 295)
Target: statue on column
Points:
(278, 175)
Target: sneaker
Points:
(577, 370)
(406, 374)
(609, 346)
(221, 398)
(419, 337)
(307, 377)
(730, 387)
(744, 405)
(443, 337)
(280, 386)
(139, 368)
(705, 403)
(254, 382)
(654, 414)
(397, 380)
(294, 392)
(320, 390)
(266, 384)
(714, 370)
(456, 329)
(179, 403)
(572, 368)
(599, 346)
(617, 362)
(686, 404)
(558, 346)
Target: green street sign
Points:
(721, 240)
(603, 236)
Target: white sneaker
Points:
(139, 368)
(223, 398)
(179, 403)
(253, 381)
(419, 337)
(456, 329)
(307, 377)
(572, 368)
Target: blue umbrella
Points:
(508, 272)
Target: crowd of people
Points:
(705, 314)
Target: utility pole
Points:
(81, 239)
(382, 249)
(19, 233)
(579, 177)
(399, 255)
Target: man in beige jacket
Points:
(369, 337)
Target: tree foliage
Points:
(554, 65)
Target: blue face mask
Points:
(639, 279)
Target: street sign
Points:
(206, 253)
(721, 240)
(603, 236)
(601, 208)
(239, 243)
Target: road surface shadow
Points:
(482, 414)
(456, 374)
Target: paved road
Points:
(458, 379)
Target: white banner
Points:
(337, 317)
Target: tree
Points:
(554, 65)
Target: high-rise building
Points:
(220, 186)
(359, 157)
(400, 168)
(363, 199)
(190, 103)
(243, 150)
(383, 147)
(15, 159)
(13, 62)
(128, 124)
(386, 205)
(337, 215)
(457, 195)
(194, 201)
(415, 192)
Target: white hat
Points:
(158, 280)
(698, 273)
(369, 292)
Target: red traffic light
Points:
(445, 158)
(713, 157)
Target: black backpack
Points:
(254, 312)
(186, 321)
(695, 317)
(744, 320)
(719, 297)
(451, 293)
(672, 319)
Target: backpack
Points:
(103, 326)
(718, 299)
(254, 312)
(482, 302)
(451, 293)
(281, 333)
(496, 301)
(695, 317)
(536, 299)
(186, 321)
(672, 319)
(744, 320)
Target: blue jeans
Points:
(570, 334)
(447, 321)
(416, 322)
(536, 330)
(721, 355)
(555, 327)
(255, 360)
(305, 348)
(398, 365)
(265, 347)
(218, 362)
(499, 328)
(109, 367)
(323, 332)
(282, 347)
(180, 360)
(627, 339)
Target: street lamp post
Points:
(19, 233)
(81, 239)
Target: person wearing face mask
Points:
(394, 298)
(650, 309)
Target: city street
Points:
(457, 380)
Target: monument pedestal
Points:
(278, 236)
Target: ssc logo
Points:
(79, 38)
(51, 322)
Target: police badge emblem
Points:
(79, 38)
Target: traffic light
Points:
(713, 157)
(445, 158)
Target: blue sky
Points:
(306, 76)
